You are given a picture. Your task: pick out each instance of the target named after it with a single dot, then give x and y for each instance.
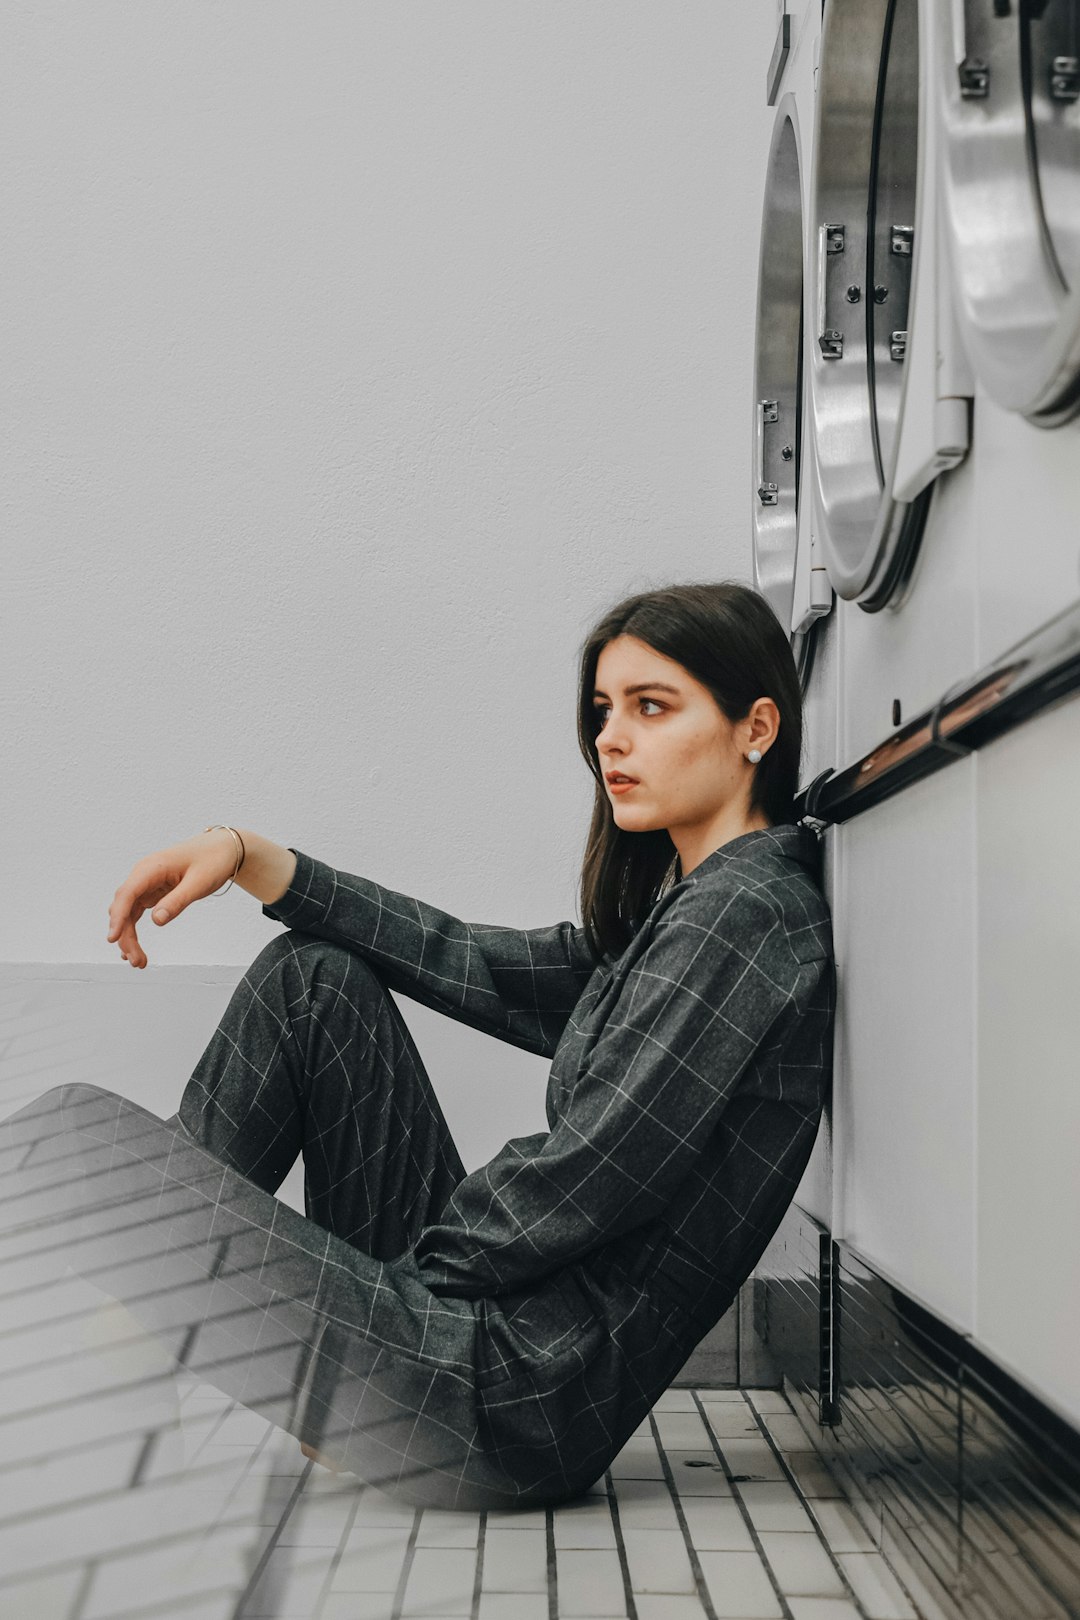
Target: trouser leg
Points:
(352, 1354)
(313, 1057)
(297, 1320)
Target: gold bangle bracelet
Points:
(241, 855)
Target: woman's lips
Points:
(622, 787)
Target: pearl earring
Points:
(754, 755)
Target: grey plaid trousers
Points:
(313, 1057)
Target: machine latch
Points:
(768, 411)
(1065, 78)
(830, 339)
(974, 78)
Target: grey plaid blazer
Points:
(686, 1086)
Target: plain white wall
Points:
(357, 356)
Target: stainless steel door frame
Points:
(1009, 87)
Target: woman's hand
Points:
(169, 881)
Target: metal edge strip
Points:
(1033, 675)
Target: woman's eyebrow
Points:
(642, 686)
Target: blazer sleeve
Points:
(713, 981)
(520, 985)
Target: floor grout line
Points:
(322, 1563)
(406, 1568)
(894, 1569)
(691, 1551)
(620, 1546)
(339, 1550)
(785, 1607)
(793, 1480)
(478, 1575)
(552, 1567)
(272, 1541)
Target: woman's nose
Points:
(614, 739)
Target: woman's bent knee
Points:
(319, 959)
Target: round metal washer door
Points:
(1010, 91)
(863, 214)
(778, 372)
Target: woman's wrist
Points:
(267, 869)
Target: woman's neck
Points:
(696, 847)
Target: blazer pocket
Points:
(539, 1335)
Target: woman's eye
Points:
(601, 709)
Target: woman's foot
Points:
(317, 1456)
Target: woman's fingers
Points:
(165, 884)
(145, 887)
(128, 940)
(170, 902)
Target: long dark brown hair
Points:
(727, 637)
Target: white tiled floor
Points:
(717, 1509)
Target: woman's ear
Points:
(763, 709)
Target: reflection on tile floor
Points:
(718, 1507)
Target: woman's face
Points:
(688, 761)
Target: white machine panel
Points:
(1025, 511)
(1027, 1033)
(904, 1160)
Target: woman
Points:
(491, 1339)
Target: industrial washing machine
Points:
(915, 512)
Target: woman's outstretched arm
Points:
(172, 879)
(519, 984)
